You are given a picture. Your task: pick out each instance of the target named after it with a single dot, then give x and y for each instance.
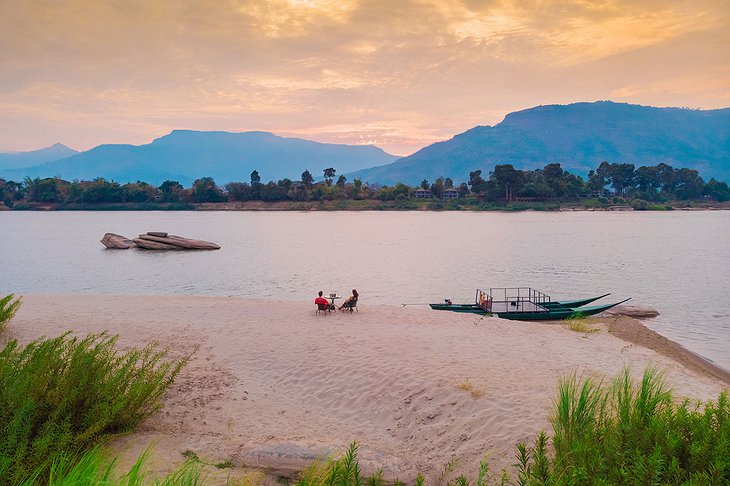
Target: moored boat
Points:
(525, 304)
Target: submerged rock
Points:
(117, 242)
(635, 311)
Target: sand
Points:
(273, 386)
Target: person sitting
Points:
(323, 303)
(351, 301)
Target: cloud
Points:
(404, 73)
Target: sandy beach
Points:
(274, 386)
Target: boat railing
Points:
(512, 299)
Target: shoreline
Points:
(273, 386)
(436, 205)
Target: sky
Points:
(399, 74)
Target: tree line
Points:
(659, 183)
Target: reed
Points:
(9, 305)
(91, 469)
(630, 432)
(62, 396)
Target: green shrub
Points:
(65, 395)
(639, 204)
(8, 308)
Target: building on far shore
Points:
(450, 193)
(423, 193)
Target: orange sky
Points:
(398, 74)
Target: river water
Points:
(677, 262)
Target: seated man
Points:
(322, 302)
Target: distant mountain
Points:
(579, 136)
(186, 155)
(19, 160)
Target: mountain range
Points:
(21, 160)
(186, 155)
(579, 136)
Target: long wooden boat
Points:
(558, 313)
(526, 304)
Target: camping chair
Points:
(324, 308)
(350, 305)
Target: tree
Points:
(437, 188)
(597, 178)
(341, 181)
(41, 190)
(555, 179)
(205, 190)
(171, 191)
(238, 191)
(507, 179)
(477, 184)
(329, 174)
(425, 185)
(307, 179)
(255, 185)
(357, 187)
(647, 179)
(689, 184)
(719, 191)
(621, 177)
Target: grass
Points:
(9, 305)
(620, 432)
(578, 323)
(62, 396)
(630, 432)
(92, 468)
(466, 385)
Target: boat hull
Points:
(552, 313)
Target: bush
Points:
(8, 308)
(65, 395)
(639, 204)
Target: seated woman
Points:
(351, 301)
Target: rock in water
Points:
(171, 242)
(161, 234)
(117, 242)
(635, 311)
(154, 245)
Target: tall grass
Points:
(630, 432)
(8, 308)
(91, 469)
(67, 394)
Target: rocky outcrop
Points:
(117, 242)
(154, 240)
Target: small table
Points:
(332, 299)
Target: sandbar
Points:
(272, 385)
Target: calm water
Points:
(677, 262)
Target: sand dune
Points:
(272, 385)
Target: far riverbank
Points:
(466, 204)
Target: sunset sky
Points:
(397, 74)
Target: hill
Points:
(579, 136)
(20, 160)
(186, 155)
